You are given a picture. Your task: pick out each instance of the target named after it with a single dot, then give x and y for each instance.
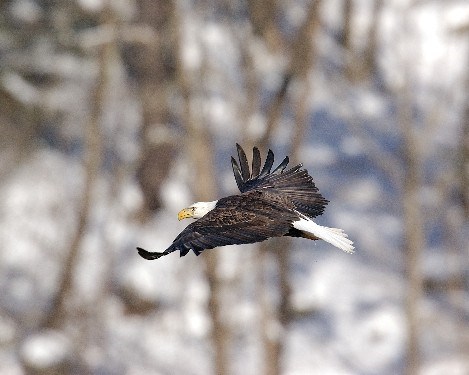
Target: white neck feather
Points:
(201, 208)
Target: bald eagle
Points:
(271, 204)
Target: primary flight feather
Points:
(271, 204)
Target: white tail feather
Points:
(334, 236)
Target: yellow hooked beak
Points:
(186, 213)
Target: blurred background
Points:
(116, 114)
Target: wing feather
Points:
(281, 166)
(243, 163)
(269, 161)
(256, 162)
(237, 173)
(294, 184)
(238, 219)
(298, 186)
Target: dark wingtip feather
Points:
(243, 163)
(150, 255)
(256, 162)
(237, 174)
(281, 166)
(183, 251)
(269, 161)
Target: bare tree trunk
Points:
(465, 162)
(198, 142)
(414, 239)
(351, 55)
(369, 54)
(455, 243)
(262, 14)
(277, 318)
(220, 331)
(346, 36)
(154, 68)
(92, 162)
(465, 148)
(201, 151)
(413, 246)
(19, 125)
(413, 236)
(360, 63)
(301, 57)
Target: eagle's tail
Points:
(334, 236)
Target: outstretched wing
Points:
(295, 184)
(237, 219)
(247, 180)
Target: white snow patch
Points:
(245, 313)
(306, 352)
(91, 5)
(371, 106)
(318, 155)
(373, 340)
(430, 196)
(228, 262)
(352, 146)
(367, 328)
(25, 11)
(175, 195)
(256, 126)
(191, 52)
(45, 349)
(175, 191)
(196, 319)
(35, 214)
(142, 280)
(332, 13)
(295, 13)
(9, 364)
(130, 196)
(453, 365)
(268, 65)
(215, 35)
(456, 16)
(365, 192)
(341, 285)
(20, 88)
(220, 114)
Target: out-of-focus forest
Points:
(116, 114)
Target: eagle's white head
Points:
(196, 210)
